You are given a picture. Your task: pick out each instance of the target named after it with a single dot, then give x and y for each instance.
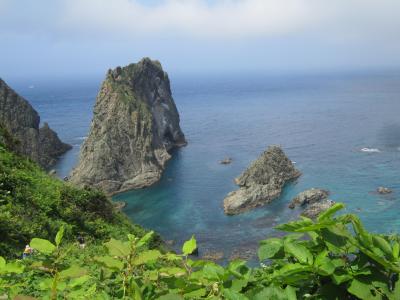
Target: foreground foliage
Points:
(32, 203)
(330, 258)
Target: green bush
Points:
(330, 258)
(34, 204)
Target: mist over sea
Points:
(322, 122)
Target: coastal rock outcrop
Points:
(314, 201)
(309, 197)
(262, 182)
(22, 121)
(134, 127)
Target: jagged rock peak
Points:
(22, 121)
(134, 126)
(262, 182)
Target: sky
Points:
(83, 38)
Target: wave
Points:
(81, 138)
(370, 150)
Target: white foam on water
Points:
(370, 150)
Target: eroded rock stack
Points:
(135, 125)
(262, 182)
(22, 121)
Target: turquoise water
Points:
(322, 122)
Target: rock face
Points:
(262, 182)
(22, 121)
(135, 125)
(309, 197)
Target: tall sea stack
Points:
(22, 121)
(134, 127)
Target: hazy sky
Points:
(50, 38)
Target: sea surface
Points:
(323, 122)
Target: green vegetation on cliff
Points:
(34, 204)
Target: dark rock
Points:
(383, 190)
(309, 197)
(226, 161)
(22, 121)
(135, 125)
(262, 182)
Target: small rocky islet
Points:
(262, 182)
(313, 201)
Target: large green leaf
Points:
(324, 264)
(330, 211)
(362, 290)
(110, 262)
(269, 248)
(73, 272)
(14, 267)
(195, 294)
(291, 270)
(118, 248)
(43, 246)
(295, 226)
(300, 252)
(59, 236)
(383, 245)
(145, 239)
(189, 246)
(147, 256)
(271, 292)
(213, 272)
(233, 295)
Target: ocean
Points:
(341, 130)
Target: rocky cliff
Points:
(134, 127)
(262, 182)
(22, 121)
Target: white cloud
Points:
(226, 18)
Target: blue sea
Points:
(322, 122)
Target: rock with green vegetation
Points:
(262, 182)
(22, 121)
(35, 204)
(134, 128)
